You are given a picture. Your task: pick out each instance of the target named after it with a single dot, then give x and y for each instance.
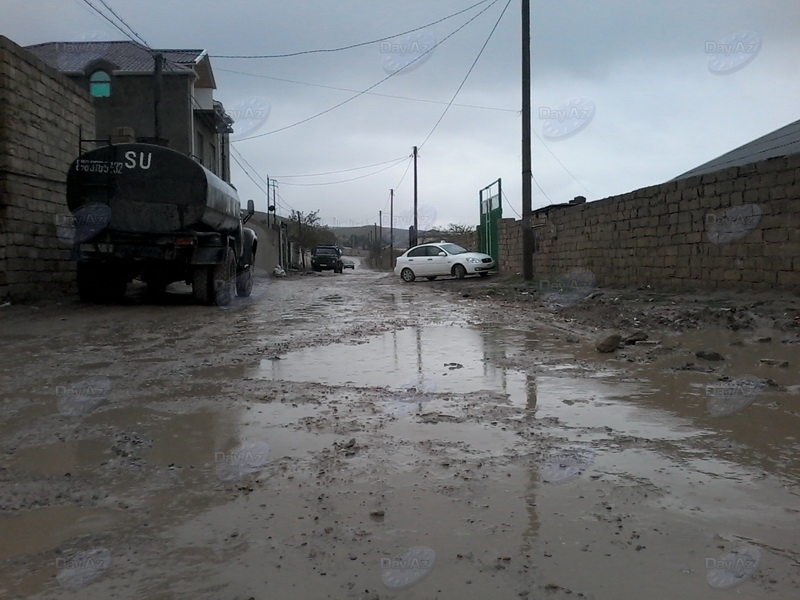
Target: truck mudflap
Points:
(209, 255)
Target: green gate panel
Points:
(491, 211)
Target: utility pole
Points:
(274, 202)
(416, 229)
(527, 173)
(380, 237)
(391, 228)
(267, 200)
(158, 67)
(300, 240)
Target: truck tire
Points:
(244, 282)
(202, 290)
(224, 280)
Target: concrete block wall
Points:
(673, 234)
(41, 112)
(510, 236)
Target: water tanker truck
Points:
(146, 211)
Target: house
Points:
(172, 105)
(781, 142)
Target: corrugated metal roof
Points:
(72, 57)
(781, 142)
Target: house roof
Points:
(124, 56)
(781, 142)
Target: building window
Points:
(212, 159)
(100, 84)
(199, 148)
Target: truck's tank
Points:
(152, 189)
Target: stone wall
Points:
(736, 228)
(41, 113)
(510, 234)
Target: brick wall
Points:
(41, 112)
(736, 228)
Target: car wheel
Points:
(431, 277)
(407, 275)
(459, 271)
(484, 274)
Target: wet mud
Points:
(348, 436)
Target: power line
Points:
(136, 35)
(408, 166)
(241, 156)
(464, 81)
(289, 206)
(343, 170)
(540, 189)
(246, 172)
(278, 200)
(341, 89)
(349, 47)
(252, 137)
(546, 147)
(99, 12)
(511, 206)
(347, 180)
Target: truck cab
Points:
(327, 258)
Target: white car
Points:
(432, 260)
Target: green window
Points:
(100, 84)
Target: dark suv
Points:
(327, 257)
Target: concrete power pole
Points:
(380, 238)
(391, 228)
(299, 240)
(416, 228)
(158, 66)
(527, 173)
(267, 200)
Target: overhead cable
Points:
(340, 104)
(341, 89)
(464, 81)
(351, 46)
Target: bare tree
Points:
(309, 233)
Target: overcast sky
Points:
(643, 92)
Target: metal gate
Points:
(491, 207)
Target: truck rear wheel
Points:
(224, 279)
(202, 290)
(244, 282)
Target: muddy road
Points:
(353, 437)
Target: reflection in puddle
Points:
(65, 457)
(457, 359)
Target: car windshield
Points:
(453, 248)
(326, 251)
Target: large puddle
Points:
(450, 428)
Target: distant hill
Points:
(345, 234)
